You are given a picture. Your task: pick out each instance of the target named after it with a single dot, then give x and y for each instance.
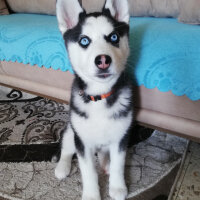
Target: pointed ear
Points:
(118, 9)
(67, 12)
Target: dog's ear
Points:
(67, 12)
(118, 9)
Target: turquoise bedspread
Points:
(33, 39)
(164, 53)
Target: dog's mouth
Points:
(103, 75)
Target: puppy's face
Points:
(97, 43)
(98, 47)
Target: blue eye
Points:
(114, 38)
(84, 41)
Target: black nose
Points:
(103, 61)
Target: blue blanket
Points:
(33, 39)
(164, 53)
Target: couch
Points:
(167, 99)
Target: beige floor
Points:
(188, 185)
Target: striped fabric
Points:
(3, 8)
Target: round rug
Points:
(151, 167)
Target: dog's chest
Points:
(100, 126)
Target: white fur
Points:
(67, 12)
(100, 131)
(64, 166)
(119, 9)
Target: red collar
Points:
(97, 97)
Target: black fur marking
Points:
(94, 14)
(78, 143)
(107, 38)
(58, 153)
(76, 110)
(121, 28)
(78, 85)
(85, 99)
(123, 112)
(121, 83)
(113, 98)
(74, 33)
(125, 141)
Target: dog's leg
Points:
(104, 160)
(117, 186)
(68, 149)
(89, 176)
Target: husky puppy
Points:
(101, 99)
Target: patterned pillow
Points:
(3, 8)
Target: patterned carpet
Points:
(30, 129)
(29, 125)
(39, 116)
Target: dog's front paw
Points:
(86, 197)
(90, 198)
(118, 193)
(62, 170)
(90, 195)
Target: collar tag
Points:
(81, 93)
